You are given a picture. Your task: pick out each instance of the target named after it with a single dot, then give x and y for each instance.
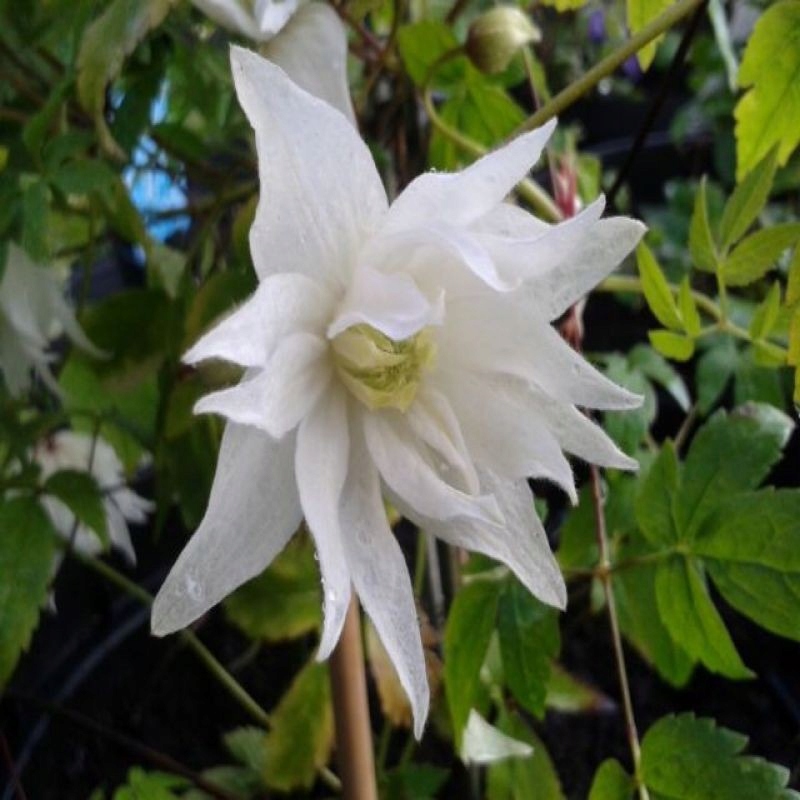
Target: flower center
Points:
(379, 371)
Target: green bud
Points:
(379, 371)
(495, 37)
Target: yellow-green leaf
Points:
(767, 114)
(701, 241)
(766, 314)
(565, 5)
(676, 346)
(688, 309)
(656, 289)
(640, 12)
(752, 258)
(793, 284)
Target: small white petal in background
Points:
(307, 40)
(484, 744)
(405, 350)
(33, 312)
(70, 450)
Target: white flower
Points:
(307, 40)
(404, 348)
(68, 450)
(33, 312)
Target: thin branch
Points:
(12, 769)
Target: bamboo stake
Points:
(351, 712)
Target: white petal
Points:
(389, 302)
(381, 579)
(276, 398)
(312, 50)
(118, 532)
(410, 474)
(282, 304)
(320, 465)
(503, 429)
(520, 543)
(272, 15)
(252, 511)
(231, 15)
(485, 744)
(511, 221)
(432, 419)
(320, 192)
(463, 197)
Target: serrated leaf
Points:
(766, 116)
(701, 241)
(640, 12)
(469, 628)
(676, 346)
(656, 289)
(301, 737)
(655, 496)
(79, 492)
(106, 43)
(529, 639)
(753, 257)
(686, 758)
(150, 785)
(731, 453)
(751, 547)
(27, 549)
(686, 609)
(688, 309)
(766, 315)
(611, 782)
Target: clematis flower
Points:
(307, 40)
(79, 451)
(404, 350)
(33, 312)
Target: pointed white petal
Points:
(231, 15)
(118, 532)
(320, 192)
(252, 511)
(510, 221)
(411, 475)
(276, 398)
(312, 51)
(504, 430)
(520, 543)
(320, 466)
(485, 744)
(381, 578)
(282, 304)
(272, 15)
(389, 302)
(463, 197)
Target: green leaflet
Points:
(640, 12)
(686, 758)
(611, 782)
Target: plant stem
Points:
(351, 712)
(603, 68)
(619, 657)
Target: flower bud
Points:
(496, 37)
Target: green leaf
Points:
(640, 12)
(522, 778)
(569, 695)
(656, 289)
(421, 45)
(469, 628)
(686, 758)
(529, 639)
(83, 176)
(685, 607)
(747, 201)
(106, 43)
(766, 116)
(611, 782)
(565, 5)
(413, 782)
(630, 429)
(150, 785)
(654, 498)
(79, 492)
(750, 545)
(27, 549)
(701, 241)
(660, 371)
(284, 601)
(688, 309)
(35, 217)
(793, 282)
(715, 368)
(731, 453)
(246, 745)
(766, 315)
(752, 258)
(301, 737)
(672, 345)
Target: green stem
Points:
(603, 68)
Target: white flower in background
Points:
(33, 312)
(68, 450)
(307, 40)
(406, 349)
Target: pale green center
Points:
(379, 371)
